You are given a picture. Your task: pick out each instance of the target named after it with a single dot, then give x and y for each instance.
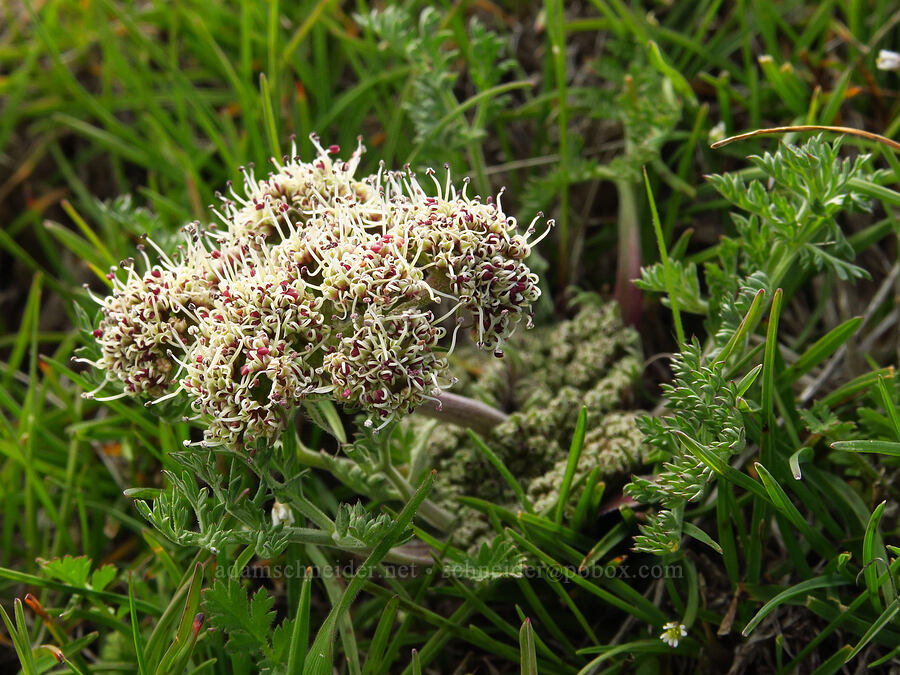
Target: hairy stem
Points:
(310, 457)
(628, 264)
(464, 412)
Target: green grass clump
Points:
(751, 381)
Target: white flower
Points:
(717, 133)
(319, 285)
(672, 633)
(281, 514)
(888, 60)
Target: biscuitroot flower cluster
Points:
(318, 285)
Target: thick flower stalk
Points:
(319, 285)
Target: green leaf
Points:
(779, 499)
(824, 347)
(748, 380)
(889, 407)
(20, 637)
(247, 622)
(693, 531)
(527, 653)
(890, 656)
(686, 287)
(651, 646)
(500, 560)
(670, 273)
(354, 527)
(834, 662)
(70, 570)
(591, 494)
(282, 644)
(103, 576)
(373, 664)
(458, 110)
(803, 588)
(749, 321)
(184, 632)
(871, 542)
(69, 650)
(321, 653)
(498, 464)
(645, 611)
(768, 377)
(883, 620)
(324, 414)
(79, 246)
(721, 467)
(692, 605)
(856, 386)
(106, 596)
(107, 257)
(803, 453)
(680, 84)
(300, 637)
(726, 510)
(136, 629)
(268, 115)
(890, 448)
(572, 463)
(789, 87)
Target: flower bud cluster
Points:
(319, 285)
(591, 360)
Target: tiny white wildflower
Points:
(717, 133)
(281, 513)
(888, 60)
(672, 633)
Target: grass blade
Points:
(871, 541)
(890, 448)
(527, 655)
(768, 379)
(886, 616)
(650, 613)
(749, 321)
(889, 407)
(300, 635)
(803, 588)
(692, 530)
(779, 499)
(184, 632)
(19, 635)
(498, 464)
(834, 663)
(136, 629)
(820, 350)
(664, 258)
(373, 664)
(571, 464)
(269, 116)
(106, 596)
(323, 645)
(416, 664)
